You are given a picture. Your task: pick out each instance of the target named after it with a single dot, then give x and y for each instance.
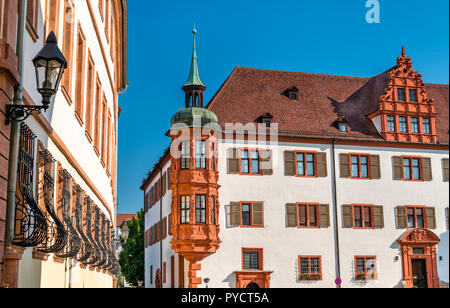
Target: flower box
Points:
(310, 277)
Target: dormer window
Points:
(291, 93)
(342, 125)
(265, 119)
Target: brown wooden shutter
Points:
(397, 165)
(401, 217)
(291, 215)
(430, 213)
(266, 162)
(378, 217)
(375, 167)
(258, 214)
(146, 239)
(445, 167)
(344, 160)
(324, 216)
(235, 214)
(347, 216)
(168, 179)
(233, 161)
(289, 163)
(322, 170)
(426, 169)
(170, 224)
(164, 227)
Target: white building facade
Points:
(350, 183)
(73, 146)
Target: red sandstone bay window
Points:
(310, 267)
(365, 268)
(252, 259)
(184, 209)
(200, 209)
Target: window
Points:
(185, 155)
(308, 215)
(426, 126)
(200, 154)
(200, 209)
(164, 272)
(213, 210)
(252, 259)
(184, 209)
(80, 86)
(306, 164)
(416, 217)
(413, 96)
(213, 157)
(89, 97)
(363, 216)
(108, 147)
(401, 94)
(310, 268)
(412, 169)
(342, 127)
(415, 125)
(391, 123)
(68, 45)
(98, 108)
(365, 268)
(293, 95)
(360, 166)
(403, 124)
(103, 129)
(252, 214)
(249, 162)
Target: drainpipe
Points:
(160, 227)
(336, 226)
(14, 134)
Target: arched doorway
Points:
(418, 249)
(252, 285)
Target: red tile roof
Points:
(249, 93)
(121, 218)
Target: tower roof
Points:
(194, 76)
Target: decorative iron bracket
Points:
(19, 113)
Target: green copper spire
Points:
(194, 76)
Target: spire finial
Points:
(403, 51)
(194, 76)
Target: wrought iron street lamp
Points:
(49, 64)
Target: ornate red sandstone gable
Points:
(413, 110)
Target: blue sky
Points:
(321, 36)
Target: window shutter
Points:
(168, 179)
(289, 163)
(291, 213)
(401, 217)
(430, 213)
(322, 171)
(324, 216)
(233, 161)
(345, 166)
(375, 167)
(164, 227)
(235, 214)
(445, 167)
(378, 217)
(397, 164)
(170, 224)
(426, 167)
(266, 162)
(258, 214)
(146, 239)
(347, 215)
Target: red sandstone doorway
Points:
(418, 249)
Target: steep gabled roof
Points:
(322, 99)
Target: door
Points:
(252, 285)
(419, 271)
